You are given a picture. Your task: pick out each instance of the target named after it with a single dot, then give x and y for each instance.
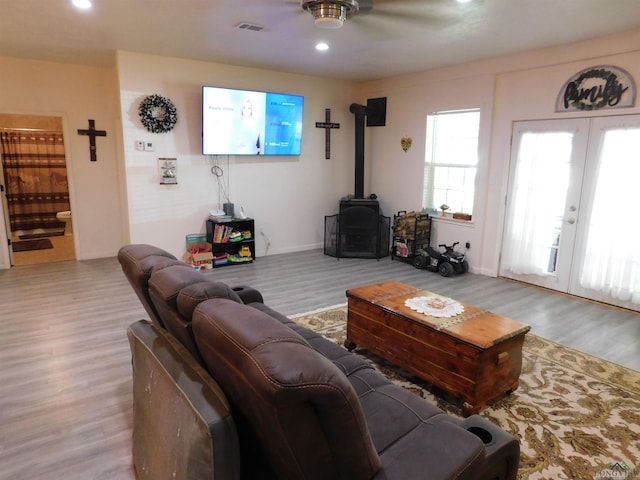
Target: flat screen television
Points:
(244, 122)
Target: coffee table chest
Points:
(475, 355)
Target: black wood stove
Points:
(359, 229)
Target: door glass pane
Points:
(537, 203)
(611, 263)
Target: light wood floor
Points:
(65, 367)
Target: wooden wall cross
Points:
(92, 133)
(327, 125)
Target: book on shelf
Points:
(221, 233)
(221, 218)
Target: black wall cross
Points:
(327, 125)
(92, 133)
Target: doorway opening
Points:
(35, 198)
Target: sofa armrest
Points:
(182, 424)
(502, 450)
(248, 294)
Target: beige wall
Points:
(76, 94)
(287, 196)
(397, 177)
(507, 89)
(531, 95)
(119, 199)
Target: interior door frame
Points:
(5, 209)
(34, 122)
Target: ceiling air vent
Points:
(250, 26)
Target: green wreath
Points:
(599, 73)
(158, 114)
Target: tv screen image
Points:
(245, 122)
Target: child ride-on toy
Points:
(445, 263)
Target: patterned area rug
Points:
(577, 416)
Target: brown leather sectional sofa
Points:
(227, 388)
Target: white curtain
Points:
(537, 202)
(612, 259)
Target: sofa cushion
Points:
(138, 261)
(402, 424)
(301, 406)
(344, 360)
(437, 451)
(191, 296)
(164, 287)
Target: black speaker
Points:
(228, 209)
(377, 112)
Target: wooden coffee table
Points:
(475, 355)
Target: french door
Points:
(569, 226)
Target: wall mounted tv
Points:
(244, 122)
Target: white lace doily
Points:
(435, 306)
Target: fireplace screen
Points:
(359, 230)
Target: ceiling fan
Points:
(331, 14)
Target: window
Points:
(451, 160)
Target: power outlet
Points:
(140, 145)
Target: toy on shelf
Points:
(232, 240)
(199, 258)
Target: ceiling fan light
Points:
(328, 15)
(331, 13)
(83, 4)
(328, 22)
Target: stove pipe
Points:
(360, 112)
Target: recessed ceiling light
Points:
(321, 47)
(464, 1)
(84, 4)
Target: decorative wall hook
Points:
(405, 143)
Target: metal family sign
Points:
(597, 88)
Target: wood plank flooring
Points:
(65, 368)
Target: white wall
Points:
(287, 196)
(397, 177)
(507, 89)
(531, 95)
(77, 94)
(118, 199)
